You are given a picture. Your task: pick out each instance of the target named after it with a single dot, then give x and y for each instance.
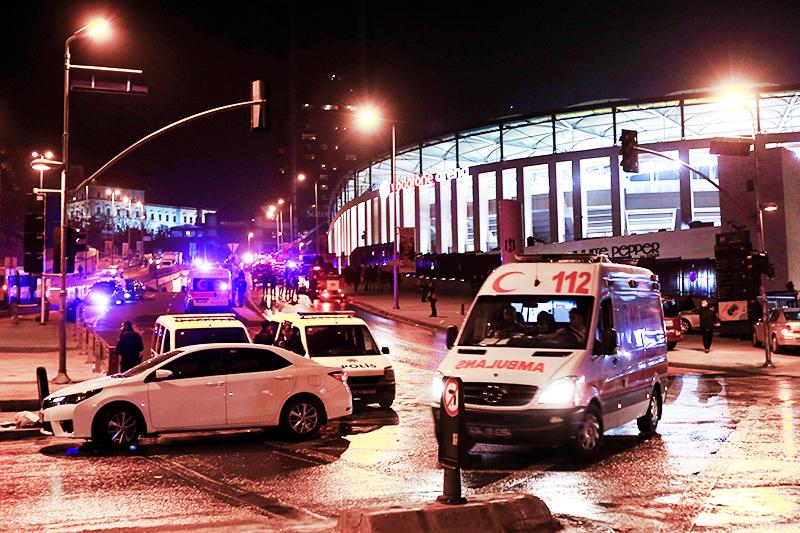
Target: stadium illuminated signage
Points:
(421, 180)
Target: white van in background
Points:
(557, 350)
(208, 287)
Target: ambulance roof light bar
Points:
(302, 314)
(563, 258)
(210, 316)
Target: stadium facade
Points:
(563, 168)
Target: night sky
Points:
(434, 66)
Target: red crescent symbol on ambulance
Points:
(496, 285)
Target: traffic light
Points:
(757, 264)
(34, 234)
(259, 114)
(72, 249)
(630, 155)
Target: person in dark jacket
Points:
(432, 298)
(267, 333)
(708, 319)
(129, 347)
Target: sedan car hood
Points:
(90, 384)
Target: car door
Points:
(258, 382)
(193, 397)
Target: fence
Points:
(95, 348)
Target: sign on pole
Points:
(451, 423)
(232, 246)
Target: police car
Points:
(344, 340)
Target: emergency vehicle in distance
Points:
(208, 287)
(558, 349)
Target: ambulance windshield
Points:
(529, 321)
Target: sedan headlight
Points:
(565, 391)
(68, 399)
(437, 387)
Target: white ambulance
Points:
(556, 350)
(208, 287)
(340, 339)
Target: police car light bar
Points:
(210, 316)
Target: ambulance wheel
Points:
(671, 345)
(588, 434)
(649, 422)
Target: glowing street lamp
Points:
(96, 29)
(735, 99)
(368, 119)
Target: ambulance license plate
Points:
(364, 391)
(480, 431)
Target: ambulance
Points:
(558, 349)
(208, 287)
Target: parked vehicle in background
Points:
(201, 388)
(783, 326)
(134, 290)
(106, 293)
(169, 260)
(672, 322)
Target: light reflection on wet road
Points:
(726, 457)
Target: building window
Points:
(596, 197)
(127, 213)
(97, 211)
(152, 216)
(119, 212)
(487, 194)
(651, 198)
(108, 211)
(536, 203)
(705, 197)
(159, 217)
(137, 214)
(566, 229)
(309, 136)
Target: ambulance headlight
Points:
(437, 387)
(566, 391)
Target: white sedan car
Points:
(784, 329)
(199, 388)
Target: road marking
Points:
(234, 495)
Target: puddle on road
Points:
(750, 507)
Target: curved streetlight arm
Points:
(701, 174)
(158, 133)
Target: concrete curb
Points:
(385, 314)
(21, 433)
(15, 406)
(483, 513)
(751, 371)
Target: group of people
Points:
(372, 276)
(506, 324)
(289, 336)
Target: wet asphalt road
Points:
(726, 457)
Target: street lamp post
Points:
(96, 29)
(737, 99)
(113, 194)
(142, 216)
(302, 177)
(41, 165)
(369, 118)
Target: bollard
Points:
(14, 313)
(451, 491)
(41, 383)
(113, 361)
(462, 308)
(97, 366)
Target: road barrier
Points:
(97, 350)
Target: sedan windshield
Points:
(189, 337)
(340, 341)
(791, 315)
(529, 321)
(150, 363)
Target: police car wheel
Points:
(589, 434)
(386, 402)
(649, 422)
(671, 345)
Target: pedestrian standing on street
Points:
(241, 288)
(432, 298)
(129, 347)
(708, 319)
(424, 288)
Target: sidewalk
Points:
(727, 355)
(24, 347)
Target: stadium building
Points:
(563, 168)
